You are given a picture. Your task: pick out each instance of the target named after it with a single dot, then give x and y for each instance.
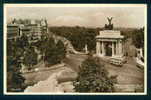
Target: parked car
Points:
(140, 62)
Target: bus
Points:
(118, 61)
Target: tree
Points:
(13, 49)
(15, 53)
(54, 53)
(93, 77)
(42, 45)
(61, 50)
(23, 42)
(30, 58)
(51, 56)
(14, 78)
(51, 52)
(138, 38)
(90, 39)
(76, 35)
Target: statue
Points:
(109, 20)
(110, 25)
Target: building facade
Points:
(12, 31)
(31, 28)
(109, 43)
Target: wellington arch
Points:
(109, 39)
(109, 42)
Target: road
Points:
(127, 74)
(74, 61)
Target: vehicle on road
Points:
(140, 62)
(118, 61)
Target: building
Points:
(31, 28)
(12, 31)
(109, 42)
(44, 26)
(25, 31)
(35, 30)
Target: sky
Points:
(81, 16)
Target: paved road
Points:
(73, 61)
(127, 74)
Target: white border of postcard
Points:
(72, 5)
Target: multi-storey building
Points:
(31, 28)
(12, 31)
(44, 26)
(25, 31)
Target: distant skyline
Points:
(131, 17)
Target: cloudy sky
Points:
(82, 16)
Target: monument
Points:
(109, 42)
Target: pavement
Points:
(58, 82)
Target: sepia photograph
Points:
(75, 49)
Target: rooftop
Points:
(15, 25)
(109, 34)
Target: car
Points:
(140, 62)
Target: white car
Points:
(140, 62)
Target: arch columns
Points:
(120, 47)
(117, 48)
(113, 53)
(98, 51)
(115, 45)
(103, 50)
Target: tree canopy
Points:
(138, 38)
(93, 77)
(30, 57)
(55, 52)
(79, 36)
